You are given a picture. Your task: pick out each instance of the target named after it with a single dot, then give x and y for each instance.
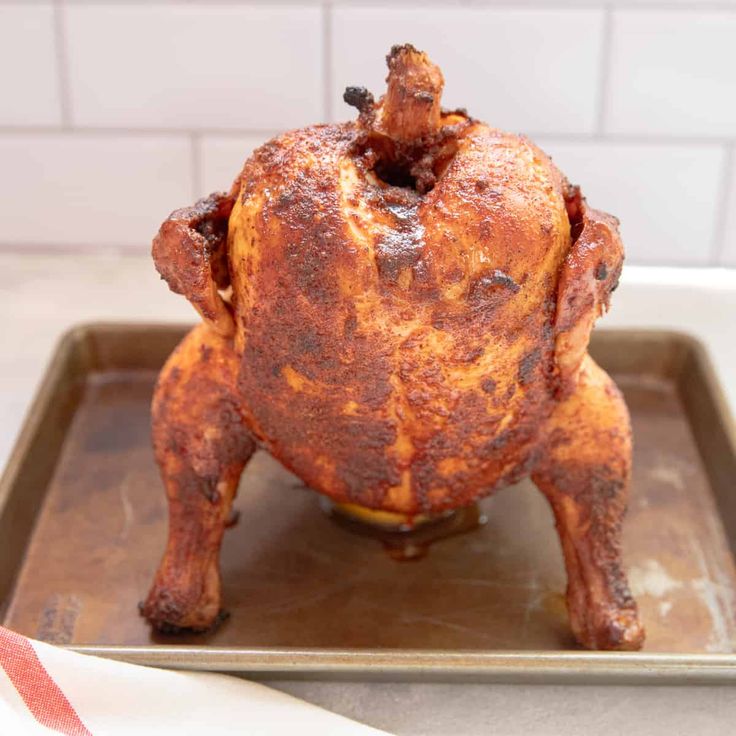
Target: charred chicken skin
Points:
(398, 310)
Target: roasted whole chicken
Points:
(398, 310)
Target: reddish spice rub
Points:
(410, 301)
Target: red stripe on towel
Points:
(43, 697)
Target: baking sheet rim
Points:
(579, 667)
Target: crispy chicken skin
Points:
(409, 302)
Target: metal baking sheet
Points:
(83, 522)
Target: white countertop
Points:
(43, 295)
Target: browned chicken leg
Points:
(202, 445)
(584, 474)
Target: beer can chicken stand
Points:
(398, 310)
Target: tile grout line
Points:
(705, 6)
(714, 6)
(604, 72)
(82, 130)
(62, 69)
(581, 138)
(645, 5)
(327, 61)
(30, 248)
(628, 5)
(195, 143)
(718, 246)
(631, 139)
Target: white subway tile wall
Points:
(729, 219)
(674, 73)
(91, 189)
(222, 158)
(668, 192)
(513, 68)
(191, 66)
(114, 113)
(29, 82)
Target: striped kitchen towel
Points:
(49, 690)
